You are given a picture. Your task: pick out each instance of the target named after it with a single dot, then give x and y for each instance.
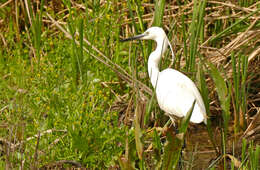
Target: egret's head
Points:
(153, 33)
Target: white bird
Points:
(175, 92)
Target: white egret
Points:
(175, 92)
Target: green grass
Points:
(82, 93)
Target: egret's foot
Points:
(174, 126)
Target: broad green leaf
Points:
(223, 95)
(185, 121)
(159, 11)
(173, 146)
(222, 89)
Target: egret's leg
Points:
(180, 163)
(174, 124)
(173, 121)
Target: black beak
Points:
(133, 38)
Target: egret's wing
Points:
(176, 93)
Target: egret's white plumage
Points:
(175, 91)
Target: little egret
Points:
(175, 92)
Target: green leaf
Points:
(186, 120)
(223, 94)
(222, 90)
(159, 11)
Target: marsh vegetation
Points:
(72, 95)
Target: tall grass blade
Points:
(132, 15)
(158, 13)
(185, 49)
(135, 25)
(254, 155)
(139, 15)
(149, 108)
(80, 50)
(36, 27)
(236, 78)
(157, 148)
(223, 144)
(195, 29)
(239, 74)
(244, 92)
(185, 121)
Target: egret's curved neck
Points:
(154, 59)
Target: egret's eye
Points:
(146, 33)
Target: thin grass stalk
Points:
(244, 92)
(185, 50)
(80, 50)
(236, 78)
(138, 114)
(212, 165)
(200, 32)
(233, 154)
(193, 37)
(138, 12)
(17, 26)
(223, 143)
(149, 108)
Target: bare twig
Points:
(13, 146)
(249, 131)
(6, 3)
(35, 162)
